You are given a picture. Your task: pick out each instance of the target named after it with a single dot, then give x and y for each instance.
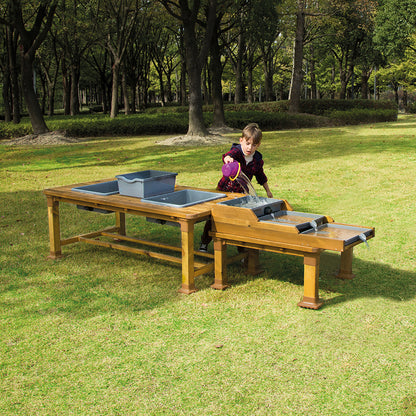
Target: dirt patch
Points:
(215, 137)
(56, 138)
(51, 138)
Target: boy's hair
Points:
(252, 131)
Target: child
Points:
(251, 162)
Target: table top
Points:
(134, 205)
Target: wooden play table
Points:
(121, 205)
(243, 227)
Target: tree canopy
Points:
(128, 54)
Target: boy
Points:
(251, 162)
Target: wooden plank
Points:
(262, 244)
(76, 239)
(131, 250)
(141, 241)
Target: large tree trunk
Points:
(196, 116)
(297, 74)
(30, 42)
(216, 71)
(193, 65)
(32, 103)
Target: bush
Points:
(273, 121)
(174, 119)
(358, 116)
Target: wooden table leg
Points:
(253, 262)
(188, 269)
(121, 222)
(345, 268)
(310, 285)
(220, 267)
(54, 228)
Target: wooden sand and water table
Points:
(237, 219)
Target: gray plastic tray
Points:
(146, 183)
(183, 198)
(103, 188)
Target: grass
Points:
(103, 332)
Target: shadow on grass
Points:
(91, 280)
(143, 153)
(372, 280)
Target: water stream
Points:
(314, 225)
(363, 238)
(248, 187)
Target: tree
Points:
(188, 13)
(119, 16)
(297, 67)
(30, 41)
(395, 25)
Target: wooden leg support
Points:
(310, 285)
(345, 268)
(188, 270)
(54, 229)
(220, 257)
(253, 263)
(121, 222)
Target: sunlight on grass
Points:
(103, 332)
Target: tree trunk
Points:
(14, 78)
(125, 90)
(32, 103)
(216, 71)
(114, 91)
(196, 116)
(314, 92)
(66, 85)
(365, 75)
(6, 95)
(193, 66)
(297, 74)
(268, 78)
(238, 96)
(75, 76)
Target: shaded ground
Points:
(58, 137)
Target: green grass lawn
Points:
(103, 332)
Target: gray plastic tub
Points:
(184, 198)
(103, 188)
(146, 183)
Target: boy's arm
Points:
(268, 192)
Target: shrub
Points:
(174, 119)
(358, 116)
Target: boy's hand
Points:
(267, 189)
(228, 159)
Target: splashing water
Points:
(248, 187)
(363, 238)
(314, 225)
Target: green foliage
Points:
(358, 116)
(174, 120)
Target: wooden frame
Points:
(121, 205)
